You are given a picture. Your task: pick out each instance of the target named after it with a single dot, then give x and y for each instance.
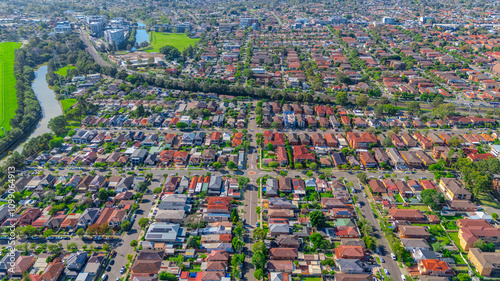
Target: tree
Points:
(317, 218)
(47, 233)
(134, 243)
(181, 125)
(316, 239)
(247, 73)
(414, 106)
(387, 142)
(143, 222)
(80, 232)
(455, 142)
(273, 164)
(235, 217)
(269, 146)
(362, 177)
(231, 165)
(259, 246)
(170, 52)
(258, 274)
(494, 216)
(437, 101)
(259, 234)
(58, 124)
(125, 225)
(217, 165)
(167, 276)
(433, 199)
(26, 276)
(192, 242)
(362, 100)
(313, 166)
(463, 277)
(259, 260)
(103, 194)
(342, 98)
(237, 244)
(157, 190)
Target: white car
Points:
(393, 257)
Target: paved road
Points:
(367, 213)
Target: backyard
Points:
(177, 40)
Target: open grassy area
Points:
(488, 200)
(416, 207)
(67, 104)
(454, 237)
(177, 40)
(8, 98)
(312, 279)
(63, 71)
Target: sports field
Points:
(63, 71)
(8, 98)
(177, 40)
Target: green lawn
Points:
(67, 104)
(454, 237)
(8, 98)
(312, 279)
(487, 199)
(63, 71)
(416, 207)
(177, 40)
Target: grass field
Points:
(8, 98)
(177, 40)
(63, 71)
(67, 104)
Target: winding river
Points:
(50, 106)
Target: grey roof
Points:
(173, 202)
(165, 232)
(279, 228)
(350, 265)
(215, 182)
(76, 260)
(415, 243)
(139, 153)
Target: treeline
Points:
(71, 51)
(220, 87)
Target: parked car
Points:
(393, 257)
(104, 277)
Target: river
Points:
(141, 35)
(47, 98)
